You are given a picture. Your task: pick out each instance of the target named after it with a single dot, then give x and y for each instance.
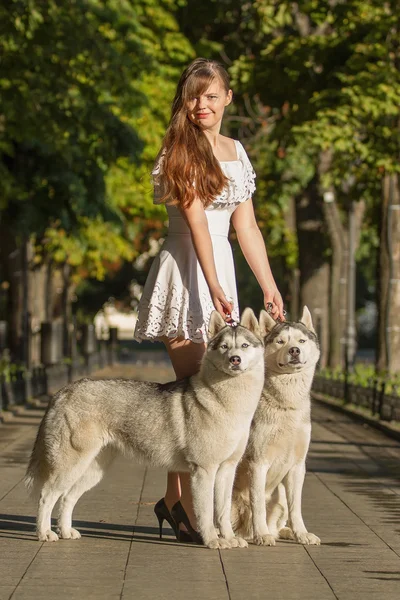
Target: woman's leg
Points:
(185, 357)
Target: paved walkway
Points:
(351, 500)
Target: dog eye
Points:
(280, 342)
(245, 345)
(302, 341)
(224, 346)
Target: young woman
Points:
(206, 181)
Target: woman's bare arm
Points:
(197, 221)
(253, 247)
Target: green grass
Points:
(365, 375)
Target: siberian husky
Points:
(269, 480)
(199, 424)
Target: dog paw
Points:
(69, 533)
(286, 533)
(219, 544)
(264, 540)
(47, 536)
(238, 542)
(241, 542)
(308, 539)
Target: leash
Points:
(232, 323)
(269, 310)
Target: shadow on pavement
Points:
(12, 526)
(385, 573)
(357, 444)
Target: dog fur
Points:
(269, 480)
(199, 424)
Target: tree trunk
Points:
(339, 276)
(355, 220)
(294, 274)
(388, 355)
(26, 314)
(338, 281)
(66, 307)
(313, 263)
(38, 277)
(11, 261)
(48, 291)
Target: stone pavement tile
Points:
(360, 512)
(376, 508)
(174, 587)
(248, 579)
(16, 551)
(373, 451)
(14, 459)
(177, 573)
(344, 482)
(283, 571)
(167, 569)
(6, 591)
(68, 591)
(365, 584)
(17, 513)
(10, 477)
(326, 516)
(153, 490)
(92, 567)
(12, 568)
(12, 529)
(9, 433)
(341, 564)
(110, 509)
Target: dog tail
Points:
(35, 473)
(241, 514)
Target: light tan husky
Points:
(199, 424)
(269, 480)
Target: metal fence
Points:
(373, 398)
(19, 383)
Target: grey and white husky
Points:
(199, 424)
(269, 480)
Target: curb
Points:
(357, 416)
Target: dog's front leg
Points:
(277, 513)
(223, 503)
(202, 481)
(293, 483)
(261, 533)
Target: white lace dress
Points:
(176, 300)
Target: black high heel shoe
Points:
(162, 513)
(179, 515)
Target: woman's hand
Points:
(221, 303)
(274, 304)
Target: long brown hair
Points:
(189, 167)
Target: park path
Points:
(351, 501)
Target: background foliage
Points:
(85, 94)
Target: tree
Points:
(326, 76)
(73, 92)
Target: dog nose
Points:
(235, 360)
(294, 351)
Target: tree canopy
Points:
(85, 94)
(85, 91)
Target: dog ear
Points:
(249, 320)
(267, 323)
(216, 324)
(306, 319)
